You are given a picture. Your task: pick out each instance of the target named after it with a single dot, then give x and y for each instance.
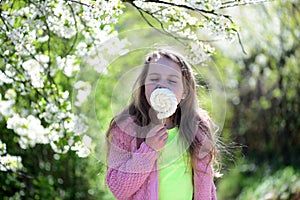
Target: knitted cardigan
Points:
(132, 172)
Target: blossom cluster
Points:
(7, 161)
(41, 41)
(188, 19)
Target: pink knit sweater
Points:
(133, 174)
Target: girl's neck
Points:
(169, 123)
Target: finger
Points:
(155, 130)
(164, 137)
(161, 132)
(158, 128)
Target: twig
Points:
(17, 172)
(76, 35)
(240, 42)
(184, 6)
(239, 39)
(84, 4)
(151, 25)
(231, 4)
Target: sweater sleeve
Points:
(203, 173)
(128, 169)
(204, 187)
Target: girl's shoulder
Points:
(124, 125)
(122, 133)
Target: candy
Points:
(164, 101)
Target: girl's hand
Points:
(159, 138)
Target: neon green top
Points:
(175, 177)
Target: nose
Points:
(161, 85)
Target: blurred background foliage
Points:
(262, 90)
(262, 116)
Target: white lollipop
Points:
(164, 101)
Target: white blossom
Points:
(9, 162)
(6, 53)
(76, 124)
(62, 22)
(2, 148)
(199, 52)
(42, 59)
(87, 141)
(57, 149)
(64, 96)
(10, 72)
(43, 39)
(81, 49)
(29, 129)
(51, 110)
(98, 62)
(83, 91)
(6, 107)
(115, 46)
(68, 65)
(82, 150)
(54, 135)
(10, 94)
(34, 70)
(261, 59)
(5, 79)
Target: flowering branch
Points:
(81, 3)
(41, 41)
(164, 31)
(202, 12)
(174, 20)
(234, 3)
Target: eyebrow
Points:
(153, 73)
(157, 74)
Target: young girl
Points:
(148, 159)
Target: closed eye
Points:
(172, 81)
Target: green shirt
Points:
(175, 174)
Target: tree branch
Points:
(184, 6)
(83, 4)
(20, 173)
(50, 78)
(76, 35)
(165, 32)
(234, 3)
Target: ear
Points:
(183, 96)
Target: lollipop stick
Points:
(163, 120)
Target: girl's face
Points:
(164, 73)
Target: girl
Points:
(143, 162)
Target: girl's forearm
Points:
(128, 171)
